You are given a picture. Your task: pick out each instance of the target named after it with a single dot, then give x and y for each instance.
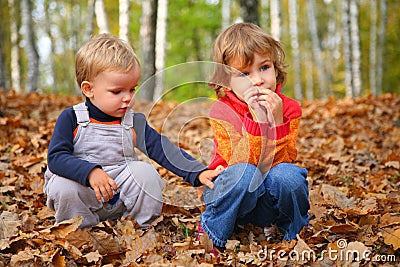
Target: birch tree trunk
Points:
(15, 68)
(295, 48)
(148, 38)
(91, 14)
(52, 69)
(355, 48)
(161, 40)
(101, 16)
(381, 44)
(249, 11)
(30, 47)
(346, 49)
(372, 47)
(331, 44)
(312, 23)
(226, 13)
(124, 19)
(275, 19)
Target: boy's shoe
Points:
(206, 241)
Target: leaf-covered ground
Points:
(350, 147)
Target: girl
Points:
(255, 129)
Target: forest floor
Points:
(351, 148)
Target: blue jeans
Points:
(242, 195)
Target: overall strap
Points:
(82, 114)
(127, 123)
(127, 120)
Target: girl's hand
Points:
(273, 104)
(265, 105)
(257, 110)
(206, 177)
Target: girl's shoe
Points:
(206, 241)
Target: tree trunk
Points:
(276, 19)
(3, 73)
(372, 47)
(355, 48)
(90, 23)
(101, 16)
(295, 48)
(30, 47)
(381, 45)
(161, 41)
(316, 47)
(15, 68)
(148, 36)
(331, 44)
(124, 19)
(226, 13)
(48, 24)
(249, 11)
(346, 48)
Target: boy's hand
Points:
(102, 184)
(206, 177)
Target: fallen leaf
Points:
(392, 238)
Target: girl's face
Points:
(112, 91)
(260, 73)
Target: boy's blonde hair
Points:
(237, 44)
(103, 52)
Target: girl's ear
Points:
(87, 89)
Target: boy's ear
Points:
(87, 89)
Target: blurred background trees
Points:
(334, 48)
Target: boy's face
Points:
(260, 73)
(112, 91)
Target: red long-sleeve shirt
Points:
(238, 138)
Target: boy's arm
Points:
(160, 149)
(60, 152)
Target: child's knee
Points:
(288, 177)
(245, 176)
(146, 177)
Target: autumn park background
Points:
(342, 57)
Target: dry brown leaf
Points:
(9, 224)
(302, 249)
(140, 245)
(93, 256)
(393, 164)
(63, 229)
(343, 229)
(392, 237)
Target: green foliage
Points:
(193, 26)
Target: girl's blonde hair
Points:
(238, 43)
(103, 52)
